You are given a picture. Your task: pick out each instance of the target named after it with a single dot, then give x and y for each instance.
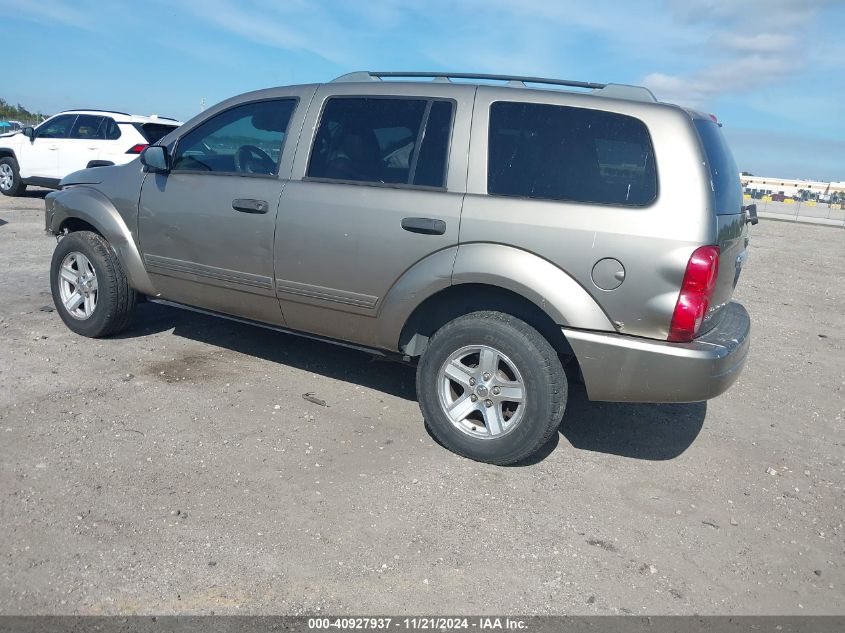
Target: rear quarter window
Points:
(572, 154)
(724, 175)
(154, 132)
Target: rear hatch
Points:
(730, 218)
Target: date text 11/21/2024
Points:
(417, 623)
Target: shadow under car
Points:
(653, 432)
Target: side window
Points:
(88, 126)
(377, 140)
(246, 139)
(565, 153)
(434, 149)
(112, 129)
(57, 127)
(153, 132)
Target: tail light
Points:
(137, 149)
(696, 292)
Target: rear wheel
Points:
(90, 289)
(491, 388)
(10, 178)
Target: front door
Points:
(206, 227)
(40, 158)
(372, 203)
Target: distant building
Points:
(759, 186)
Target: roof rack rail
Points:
(618, 91)
(93, 110)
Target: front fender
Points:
(92, 207)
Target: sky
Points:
(773, 71)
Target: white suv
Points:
(74, 140)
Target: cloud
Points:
(47, 11)
(756, 43)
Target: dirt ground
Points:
(177, 468)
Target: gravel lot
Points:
(177, 468)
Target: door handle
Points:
(249, 205)
(426, 226)
(52, 147)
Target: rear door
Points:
(377, 187)
(206, 227)
(83, 144)
(732, 237)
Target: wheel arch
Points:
(458, 300)
(486, 276)
(84, 208)
(6, 152)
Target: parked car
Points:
(493, 234)
(74, 140)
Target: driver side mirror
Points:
(29, 132)
(155, 159)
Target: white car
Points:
(74, 140)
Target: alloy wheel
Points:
(78, 285)
(7, 177)
(482, 392)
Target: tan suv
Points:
(492, 233)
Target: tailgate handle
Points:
(426, 226)
(248, 205)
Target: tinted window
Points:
(431, 166)
(724, 176)
(396, 141)
(57, 127)
(154, 132)
(247, 139)
(112, 129)
(88, 126)
(564, 153)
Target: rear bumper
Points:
(623, 368)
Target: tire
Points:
(92, 306)
(10, 177)
(497, 430)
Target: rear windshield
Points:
(724, 175)
(154, 132)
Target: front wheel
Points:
(90, 289)
(491, 388)
(10, 178)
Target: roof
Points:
(123, 117)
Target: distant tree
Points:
(17, 112)
(746, 173)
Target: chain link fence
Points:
(797, 209)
